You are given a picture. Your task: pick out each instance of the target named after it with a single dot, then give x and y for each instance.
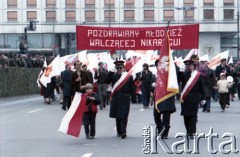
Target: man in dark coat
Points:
(162, 118)
(120, 102)
(66, 77)
(79, 79)
(146, 78)
(100, 75)
(190, 100)
(222, 68)
(209, 81)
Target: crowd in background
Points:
(22, 60)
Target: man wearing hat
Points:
(192, 94)
(120, 100)
(101, 75)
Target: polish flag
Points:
(217, 59)
(72, 121)
(190, 53)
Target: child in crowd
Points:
(90, 111)
(223, 88)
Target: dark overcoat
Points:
(191, 102)
(120, 102)
(66, 77)
(209, 80)
(76, 84)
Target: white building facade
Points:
(55, 21)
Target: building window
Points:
(128, 15)
(228, 2)
(90, 3)
(50, 3)
(31, 15)
(70, 3)
(208, 14)
(188, 2)
(208, 2)
(12, 15)
(148, 15)
(51, 16)
(31, 3)
(109, 15)
(168, 15)
(148, 3)
(228, 14)
(109, 2)
(12, 3)
(168, 3)
(190, 15)
(90, 15)
(128, 2)
(70, 15)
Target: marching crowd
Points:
(199, 84)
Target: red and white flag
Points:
(190, 53)
(166, 83)
(217, 59)
(72, 121)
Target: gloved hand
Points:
(182, 68)
(154, 84)
(203, 102)
(113, 70)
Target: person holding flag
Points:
(120, 97)
(166, 88)
(192, 94)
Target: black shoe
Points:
(204, 110)
(208, 110)
(123, 136)
(64, 108)
(91, 137)
(87, 137)
(118, 135)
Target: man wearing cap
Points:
(191, 96)
(120, 98)
(101, 75)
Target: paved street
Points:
(28, 128)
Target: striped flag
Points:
(166, 83)
(72, 121)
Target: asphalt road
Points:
(28, 128)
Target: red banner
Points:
(143, 38)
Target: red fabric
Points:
(130, 63)
(162, 75)
(91, 105)
(191, 85)
(74, 126)
(130, 38)
(138, 85)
